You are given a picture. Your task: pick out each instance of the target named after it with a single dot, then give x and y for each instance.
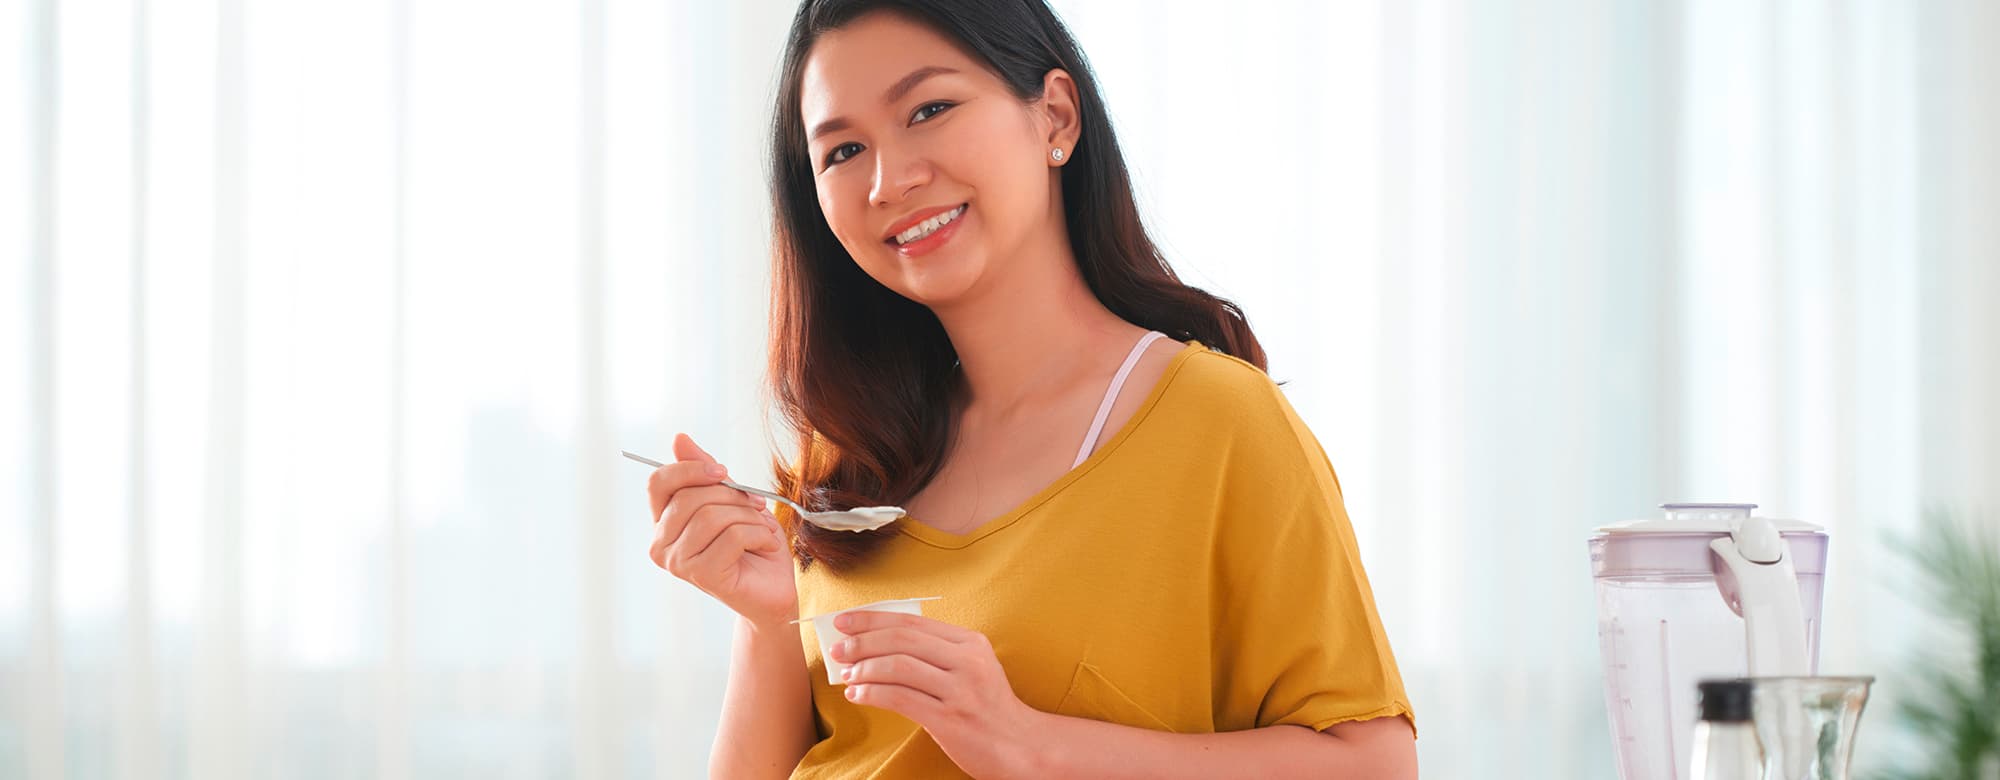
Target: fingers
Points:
(686, 502)
(923, 669)
(869, 620)
(705, 533)
(899, 640)
(710, 526)
(686, 449)
(693, 466)
(669, 480)
(729, 547)
(900, 669)
(908, 702)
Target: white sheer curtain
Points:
(324, 323)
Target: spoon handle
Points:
(726, 483)
(767, 494)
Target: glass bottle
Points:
(1725, 740)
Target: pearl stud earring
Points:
(1057, 154)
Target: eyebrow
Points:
(896, 92)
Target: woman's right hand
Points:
(722, 540)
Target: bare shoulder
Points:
(1146, 374)
(1153, 364)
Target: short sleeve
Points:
(1299, 640)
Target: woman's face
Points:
(904, 129)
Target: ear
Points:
(1061, 116)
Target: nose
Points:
(896, 175)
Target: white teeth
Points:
(928, 226)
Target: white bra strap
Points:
(1111, 395)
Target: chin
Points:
(937, 286)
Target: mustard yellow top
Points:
(1197, 573)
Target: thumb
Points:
(686, 449)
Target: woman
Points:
(1144, 563)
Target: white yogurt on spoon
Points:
(858, 519)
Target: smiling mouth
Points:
(928, 227)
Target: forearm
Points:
(767, 718)
(1078, 747)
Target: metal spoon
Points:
(859, 519)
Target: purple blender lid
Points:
(1702, 518)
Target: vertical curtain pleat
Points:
(391, 715)
(222, 671)
(138, 754)
(598, 732)
(42, 711)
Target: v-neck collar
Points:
(911, 527)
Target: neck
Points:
(1030, 335)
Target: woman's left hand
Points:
(947, 679)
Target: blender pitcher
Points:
(1706, 592)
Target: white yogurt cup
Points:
(830, 636)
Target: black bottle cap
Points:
(1725, 700)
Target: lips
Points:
(914, 219)
(937, 237)
(925, 228)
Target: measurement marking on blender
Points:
(1667, 695)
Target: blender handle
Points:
(1774, 621)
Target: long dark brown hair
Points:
(863, 376)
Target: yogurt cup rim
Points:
(865, 607)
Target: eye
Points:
(921, 114)
(835, 156)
